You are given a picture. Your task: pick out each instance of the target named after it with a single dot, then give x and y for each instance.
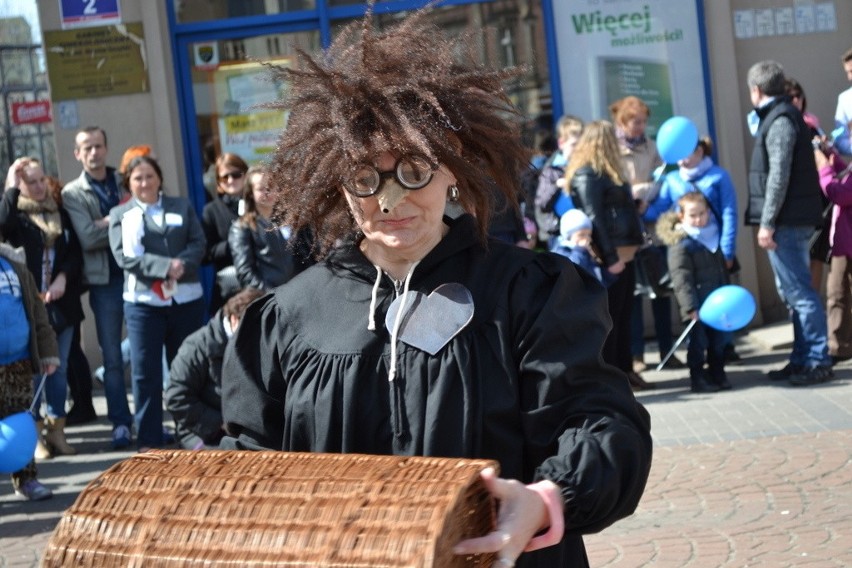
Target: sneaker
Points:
(785, 373)
(121, 437)
(698, 383)
(837, 359)
(731, 355)
(32, 490)
(812, 376)
(722, 382)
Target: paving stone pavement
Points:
(758, 476)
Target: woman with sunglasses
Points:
(216, 219)
(415, 334)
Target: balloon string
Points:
(37, 396)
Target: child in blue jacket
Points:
(575, 243)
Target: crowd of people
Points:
(801, 228)
(402, 328)
(138, 252)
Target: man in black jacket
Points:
(784, 201)
(194, 395)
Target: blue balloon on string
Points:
(728, 308)
(17, 441)
(677, 138)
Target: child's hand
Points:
(693, 315)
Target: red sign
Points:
(31, 112)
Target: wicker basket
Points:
(230, 508)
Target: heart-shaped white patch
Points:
(430, 322)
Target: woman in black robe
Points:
(415, 334)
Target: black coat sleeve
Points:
(585, 430)
(72, 259)
(242, 244)
(589, 188)
(252, 381)
(189, 376)
(216, 236)
(9, 212)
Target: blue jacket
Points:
(717, 187)
(584, 259)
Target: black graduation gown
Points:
(524, 383)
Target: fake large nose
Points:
(391, 195)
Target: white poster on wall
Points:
(609, 49)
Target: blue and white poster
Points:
(651, 49)
(86, 13)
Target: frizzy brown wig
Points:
(402, 90)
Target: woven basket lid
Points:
(235, 508)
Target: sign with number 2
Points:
(84, 13)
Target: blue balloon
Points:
(563, 204)
(677, 138)
(728, 308)
(17, 441)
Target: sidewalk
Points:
(758, 476)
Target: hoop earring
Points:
(454, 193)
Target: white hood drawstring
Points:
(398, 322)
(371, 320)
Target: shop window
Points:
(187, 11)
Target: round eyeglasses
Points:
(412, 172)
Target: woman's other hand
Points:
(56, 289)
(175, 269)
(522, 514)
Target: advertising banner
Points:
(609, 49)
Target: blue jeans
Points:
(790, 262)
(661, 309)
(106, 303)
(149, 329)
(56, 384)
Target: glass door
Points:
(230, 83)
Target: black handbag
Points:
(57, 319)
(652, 272)
(818, 244)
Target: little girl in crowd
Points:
(697, 267)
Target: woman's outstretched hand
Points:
(522, 514)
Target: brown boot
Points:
(41, 450)
(55, 437)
